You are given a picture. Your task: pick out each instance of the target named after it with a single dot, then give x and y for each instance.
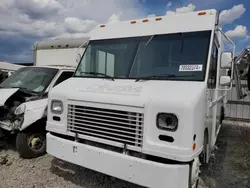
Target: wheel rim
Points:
(35, 142)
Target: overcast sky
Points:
(23, 22)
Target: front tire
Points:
(194, 173)
(204, 156)
(31, 144)
(222, 115)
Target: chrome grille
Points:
(114, 125)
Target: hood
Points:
(129, 92)
(5, 94)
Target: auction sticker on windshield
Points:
(185, 68)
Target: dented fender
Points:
(34, 111)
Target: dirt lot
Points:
(229, 169)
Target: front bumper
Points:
(138, 171)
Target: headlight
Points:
(20, 109)
(57, 107)
(168, 122)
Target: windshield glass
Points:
(33, 79)
(181, 56)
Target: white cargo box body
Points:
(58, 52)
(129, 108)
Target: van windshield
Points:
(30, 79)
(179, 56)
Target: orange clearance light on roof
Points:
(201, 13)
(133, 22)
(102, 25)
(158, 19)
(144, 20)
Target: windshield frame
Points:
(30, 68)
(159, 78)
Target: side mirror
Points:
(225, 80)
(78, 58)
(226, 60)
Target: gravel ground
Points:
(230, 168)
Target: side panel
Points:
(210, 94)
(216, 97)
(57, 56)
(219, 94)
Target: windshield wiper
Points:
(162, 76)
(151, 38)
(98, 73)
(182, 41)
(24, 89)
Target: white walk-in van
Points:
(146, 101)
(24, 95)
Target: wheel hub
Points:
(35, 142)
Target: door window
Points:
(64, 76)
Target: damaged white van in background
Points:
(23, 101)
(7, 69)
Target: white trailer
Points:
(58, 51)
(147, 100)
(23, 102)
(9, 66)
(6, 69)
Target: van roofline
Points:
(203, 20)
(60, 67)
(60, 43)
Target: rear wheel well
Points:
(222, 116)
(206, 133)
(204, 156)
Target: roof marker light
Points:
(102, 25)
(144, 21)
(133, 22)
(202, 13)
(158, 19)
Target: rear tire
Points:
(31, 144)
(222, 115)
